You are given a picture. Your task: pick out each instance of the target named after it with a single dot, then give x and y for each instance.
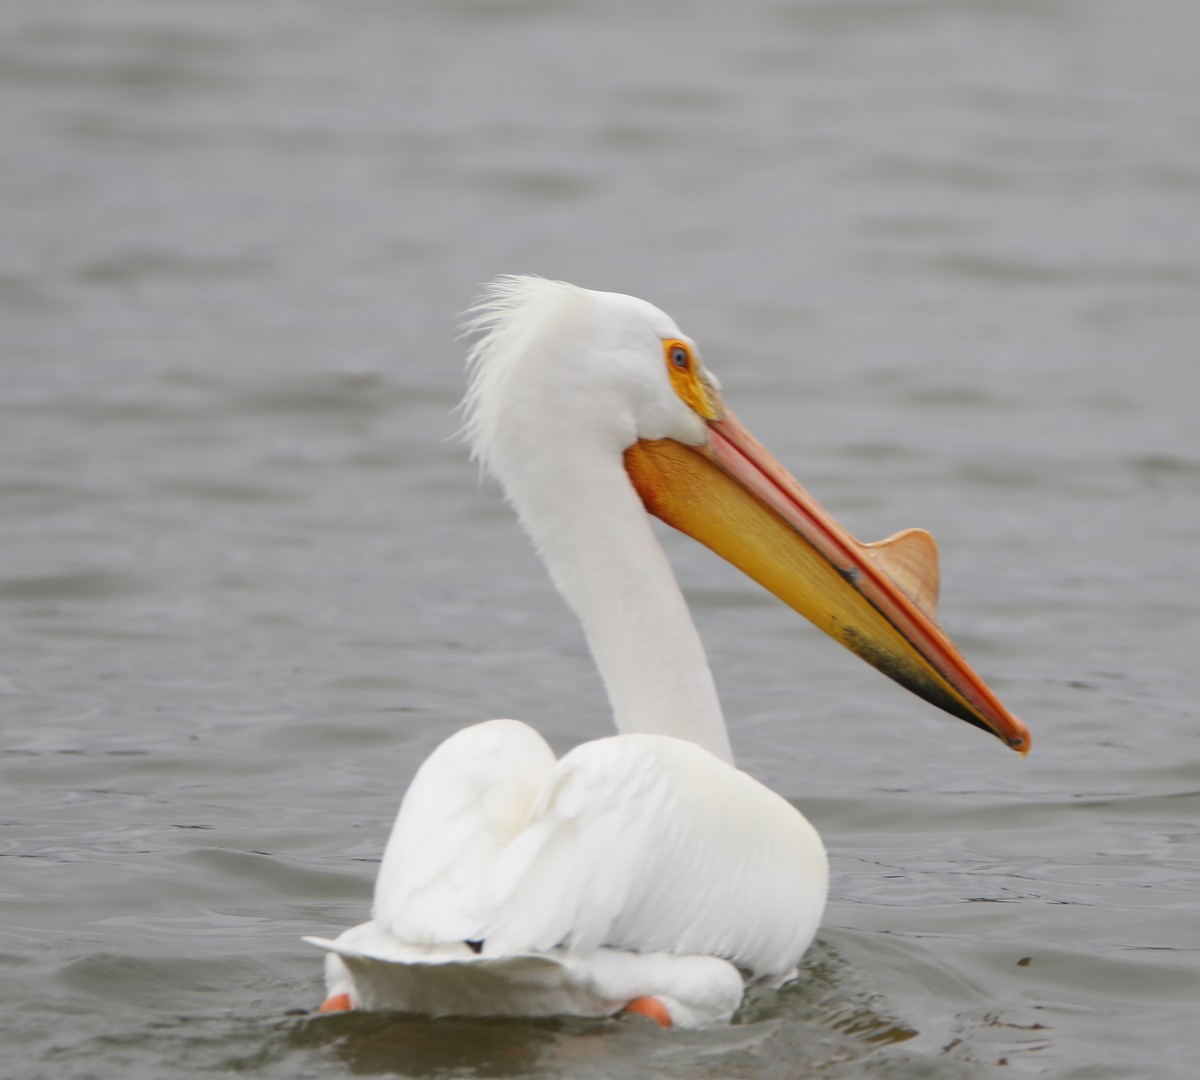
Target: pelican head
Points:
(570, 385)
(610, 369)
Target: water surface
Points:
(944, 257)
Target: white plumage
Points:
(637, 865)
(640, 865)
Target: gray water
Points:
(945, 257)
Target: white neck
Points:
(589, 525)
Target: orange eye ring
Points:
(685, 378)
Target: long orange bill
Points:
(876, 599)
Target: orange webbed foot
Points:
(651, 1007)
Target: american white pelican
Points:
(643, 870)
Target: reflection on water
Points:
(944, 258)
(373, 1044)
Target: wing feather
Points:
(638, 842)
(651, 843)
(471, 796)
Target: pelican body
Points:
(641, 867)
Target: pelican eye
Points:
(687, 378)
